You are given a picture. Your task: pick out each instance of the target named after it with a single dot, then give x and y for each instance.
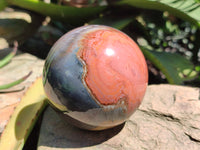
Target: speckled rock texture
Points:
(168, 119)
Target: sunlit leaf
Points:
(24, 118)
(186, 9)
(175, 67)
(3, 4)
(65, 13)
(197, 68)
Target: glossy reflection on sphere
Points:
(95, 77)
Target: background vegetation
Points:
(167, 31)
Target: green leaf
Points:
(186, 9)
(175, 67)
(9, 85)
(24, 117)
(197, 68)
(3, 4)
(67, 14)
(8, 58)
(113, 21)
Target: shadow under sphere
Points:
(64, 135)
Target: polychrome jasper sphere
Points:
(95, 77)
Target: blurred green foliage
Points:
(168, 31)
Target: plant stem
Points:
(9, 85)
(65, 13)
(8, 58)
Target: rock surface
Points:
(20, 66)
(168, 119)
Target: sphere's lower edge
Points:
(67, 119)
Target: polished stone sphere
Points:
(95, 77)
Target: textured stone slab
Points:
(168, 119)
(20, 66)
